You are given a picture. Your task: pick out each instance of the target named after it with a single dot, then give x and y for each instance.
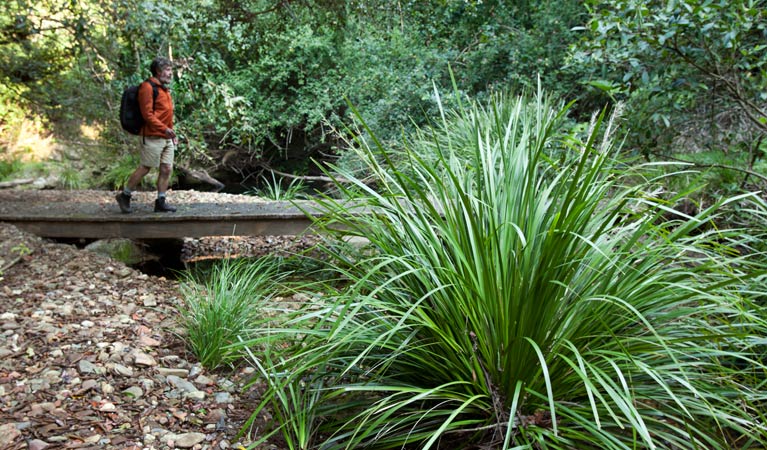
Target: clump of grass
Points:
(221, 306)
(517, 293)
(119, 171)
(279, 190)
(71, 177)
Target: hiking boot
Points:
(123, 201)
(161, 206)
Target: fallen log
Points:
(14, 183)
(201, 176)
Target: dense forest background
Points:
(266, 84)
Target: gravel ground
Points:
(90, 354)
(103, 197)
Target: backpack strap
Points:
(154, 91)
(154, 98)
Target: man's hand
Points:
(170, 134)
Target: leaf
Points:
(603, 85)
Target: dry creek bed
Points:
(90, 353)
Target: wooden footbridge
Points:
(102, 219)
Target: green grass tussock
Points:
(223, 304)
(518, 292)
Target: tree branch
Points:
(721, 166)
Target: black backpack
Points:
(130, 113)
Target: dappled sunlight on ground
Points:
(28, 142)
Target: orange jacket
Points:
(159, 118)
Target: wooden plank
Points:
(225, 226)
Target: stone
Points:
(195, 370)
(108, 407)
(37, 444)
(180, 383)
(92, 439)
(166, 372)
(147, 341)
(133, 392)
(196, 395)
(227, 385)
(224, 397)
(119, 347)
(149, 301)
(185, 440)
(124, 371)
(143, 359)
(86, 367)
(215, 416)
(124, 250)
(8, 434)
(202, 380)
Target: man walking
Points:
(158, 140)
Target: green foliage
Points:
(691, 70)
(15, 167)
(119, 171)
(9, 167)
(271, 79)
(222, 305)
(523, 297)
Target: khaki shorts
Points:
(156, 150)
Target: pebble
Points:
(108, 407)
(226, 385)
(86, 367)
(134, 392)
(166, 372)
(202, 380)
(196, 395)
(150, 301)
(147, 341)
(224, 397)
(124, 371)
(195, 370)
(143, 359)
(88, 385)
(37, 444)
(185, 440)
(181, 384)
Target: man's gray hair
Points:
(158, 64)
